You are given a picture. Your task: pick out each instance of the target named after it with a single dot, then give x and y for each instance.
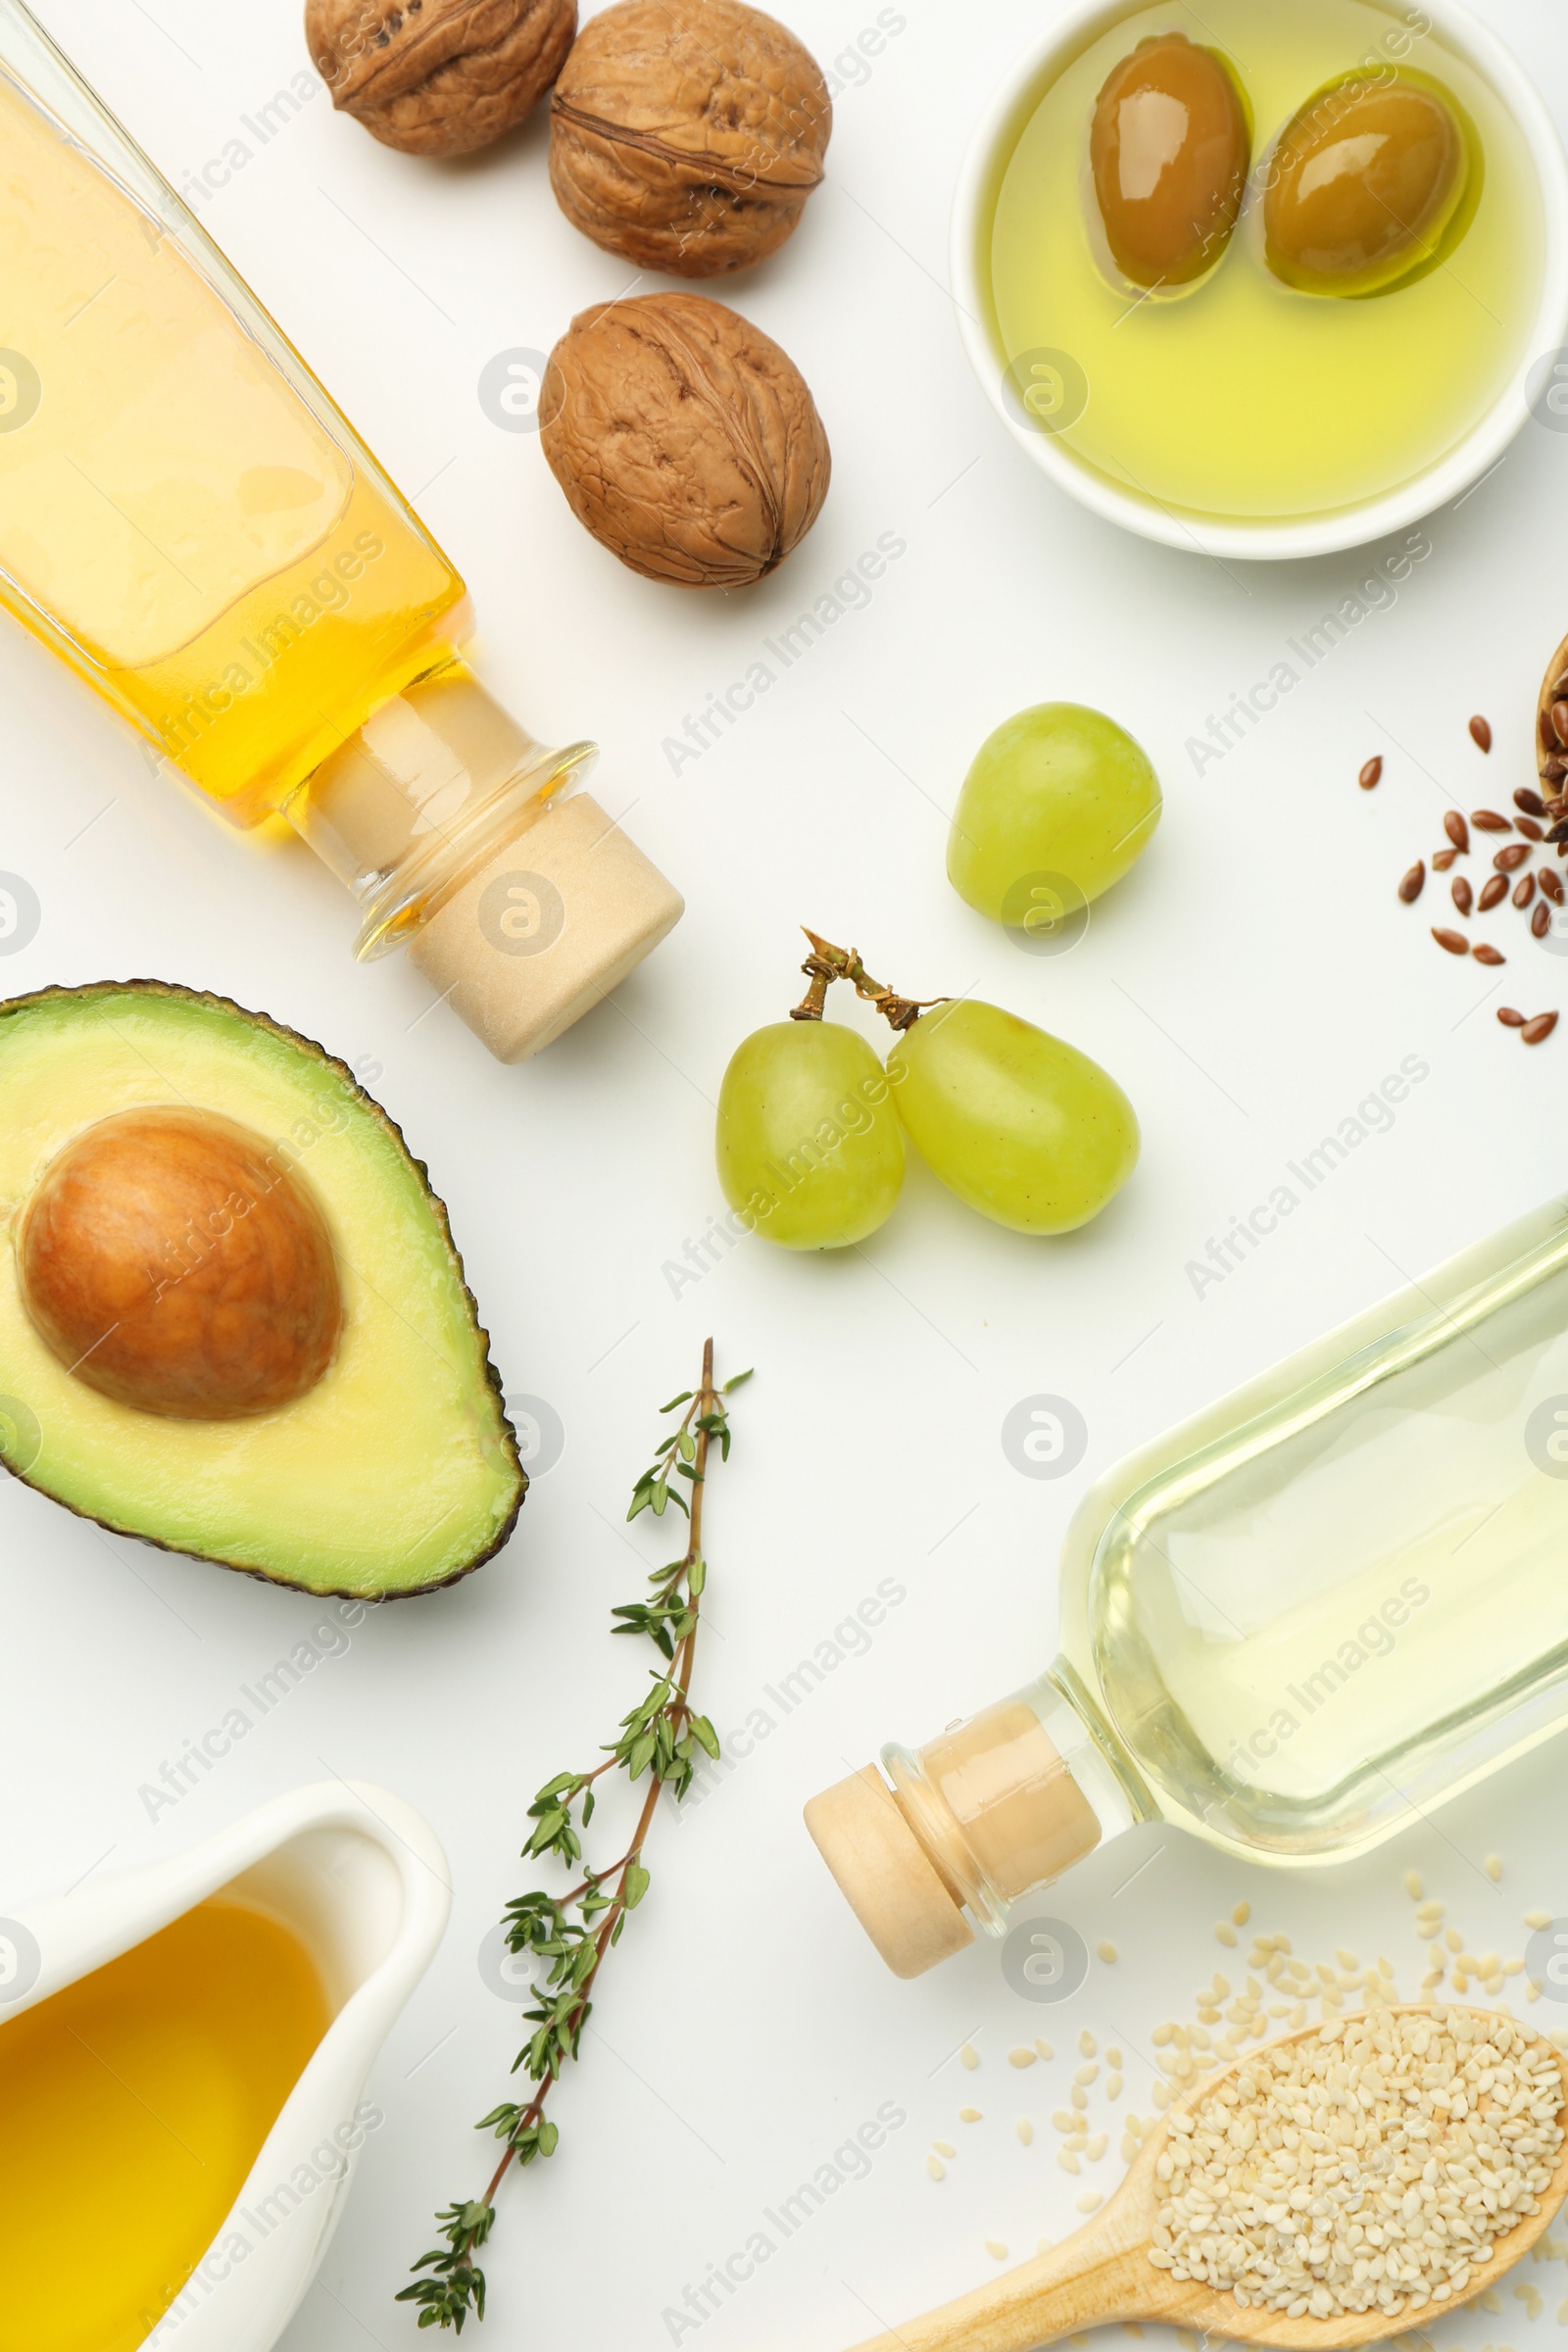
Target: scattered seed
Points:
(1044, 2047)
(1097, 2148)
(1087, 2074)
(1454, 1940)
(1078, 2097)
(968, 2115)
(969, 2055)
(1412, 1884)
(1485, 953)
(1224, 1932)
(1456, 944)
(936, 2168)
(1529, 801)
(1242, 1914)
(1490, 2302)
(1537, 1919)
(1092, 2202)
(1492, 890)
(1371, 776)
(1107, 1952)
(1540, 920)
(1114, 2087)
(1020, 2056)
(1088, 2046)
(1025, 2130)
(1524, 890)
(1528, 826)
(1456, 829)
(1510, 1020)
(1068, 2161)
(1410, 890)
(1552, 884)
(1537, 1032)
(1509, 860)
(1431, 1910)
(1442, 859)
(1490, 820)
(1480, 733)
(1114, 2059)
(1464, 897)
(944, 2147)
(995, 2249)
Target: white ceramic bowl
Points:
(997, 134)
(359, 1878)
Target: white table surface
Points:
(1249, 984)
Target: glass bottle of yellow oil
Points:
(1333, 1600)
(188, 520)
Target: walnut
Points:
(438, 77)
(685, 440)
(687, 136)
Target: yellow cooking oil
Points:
(202, 537)
(1247, 399)
(133, 2106)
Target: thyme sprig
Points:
(569, 1937)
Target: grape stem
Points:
(827, 964)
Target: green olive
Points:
(1365, 180)
(1169, 150)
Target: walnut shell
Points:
(684, 438)
(438, 77)
(688, 137)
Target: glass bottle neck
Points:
(423, 795)
(1004, 1803)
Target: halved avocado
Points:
(396, 1469)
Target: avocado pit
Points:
(172, 1261)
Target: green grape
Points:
(1059, 804)
(1027, 1130)
(810, 1148)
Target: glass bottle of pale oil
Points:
(1294, 1626)
(187, 519)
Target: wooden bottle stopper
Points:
(547, 929)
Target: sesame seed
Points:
(944, 2147)
(1412, 1884)
(1242, 1914)
(1068, 2161)
(1107, 1952)
(1299, 2183)
(1114, 2087)
(968, 2115)
(936, 2168)
(1079, 2096)
(1044, 2049)
(1020, 2056)
(1490, 2301)
(1225, 1933)
(1454, 1940)
(1493, 1867)
(1087, 2044)
(969, 2055)
(1087, 2074)
(1430, 1911)
(1113, 2056)
(1025, 2130)
(995, 2249)
(1092, 2202)
(1537, 1919)
(1063, 2121)
(1097, 2148)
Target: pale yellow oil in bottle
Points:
(1246, 400)
(133, 2106)
(233, 572)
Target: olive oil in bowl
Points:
(1248, 401)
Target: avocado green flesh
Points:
(399, 1470)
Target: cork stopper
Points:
(545, 930)
(973, 1821)
(885, 1874)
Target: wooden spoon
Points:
(1102, 2272)
(1548, 743)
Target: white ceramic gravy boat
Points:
(361, 1880)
